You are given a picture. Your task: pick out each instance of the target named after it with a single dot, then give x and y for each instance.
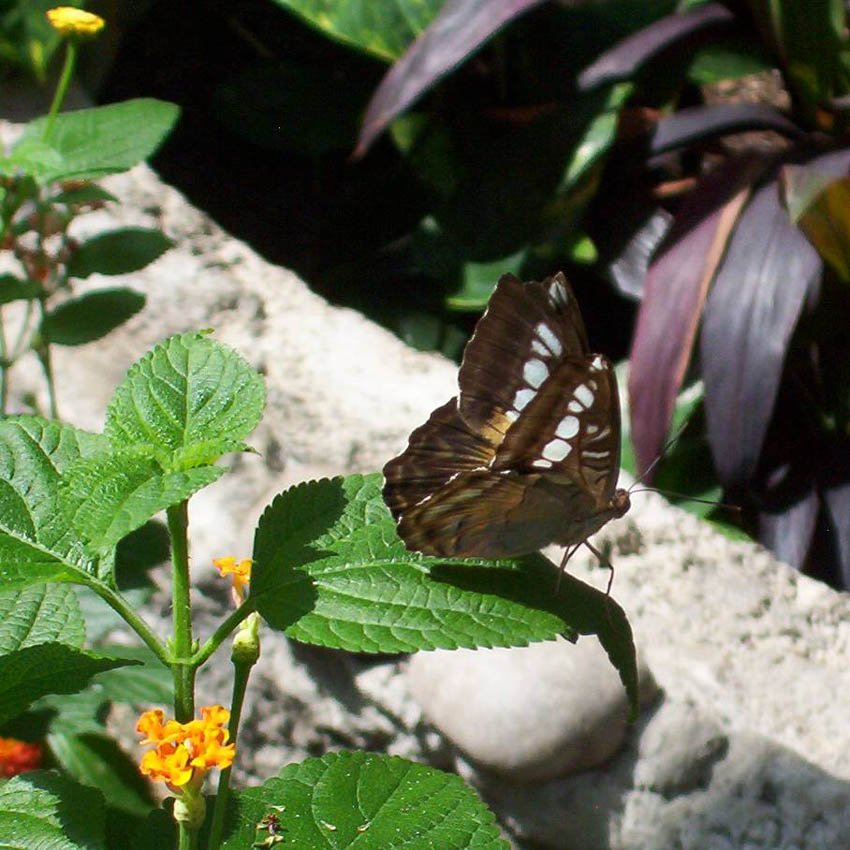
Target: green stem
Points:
(4, 369)
(183, 667)
(227, 627)
(187, 838)
(120, 605)
(62, 87)
(46, 360)
(242, 670)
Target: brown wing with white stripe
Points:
(570, 428)
(527, 330)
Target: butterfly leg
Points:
(605, 562)
(569, 551)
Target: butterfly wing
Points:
(437, 451)
(526, 331)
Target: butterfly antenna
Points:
(662, 454)
(685, 497)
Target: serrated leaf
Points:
(329, 569)
(44, 810)
(91, 316)
(39, 542)
(41, 613)
(97, 761)
(102, 140)
(118, 252)
(49, 668)
(109, 495)
(364, 800)
(188, 391)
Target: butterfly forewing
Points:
(569, 429)
(528, 453)
(526, 331)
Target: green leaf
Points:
(102, 140)
(146, 681)
(186, 392)
(15, 289)
(329, 569)
(39, 542)
(47, 811)
(382, 29)
(364, 800)
(111, 494)
(90, 316)
(479, 279)
(49, 668)
(42, 613)
(118, 252)
(819, 204)
(31, 156)
(715, 63)
(87, 194)
(97, 761)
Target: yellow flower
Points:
(184, 752)
(241, 573)
(75, 23)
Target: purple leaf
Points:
(788, 531)
(698, 123)
(673, 297)
(461, 28)
(628, 55)
(750, 314)
(837, 500)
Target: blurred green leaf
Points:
(103, 139)
(91, 316)
(354, 799)
(383, 29)
(819, 204)
(479, 279)
(14, 289)
(717, 62)
(98, 762)
(118, 252)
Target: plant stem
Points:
(242, 670)
(4, 369)
(45, 359)
(62, 87)
(183, 667)
(225, 629)
(119, 604)
(187, 838)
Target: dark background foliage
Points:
(684, 164)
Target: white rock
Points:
(534, 712)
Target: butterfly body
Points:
(527, 453)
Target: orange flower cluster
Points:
(241, 573)
(18, 756)
(184, 752)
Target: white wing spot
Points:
(542, 462)
(567, 427)
(596, 363)
(583, 394)
(591, 429)
(522, 398)
(595, 454)
(549, 339)
(538, 348)
(556, 450)
(511, 415)
(535, 372)
(575, 406)
(557, 294)
(593, 385)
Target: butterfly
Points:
(528, 452)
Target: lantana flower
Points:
(184, 752)
(75, 23)
(241, 573)
(18, 756)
